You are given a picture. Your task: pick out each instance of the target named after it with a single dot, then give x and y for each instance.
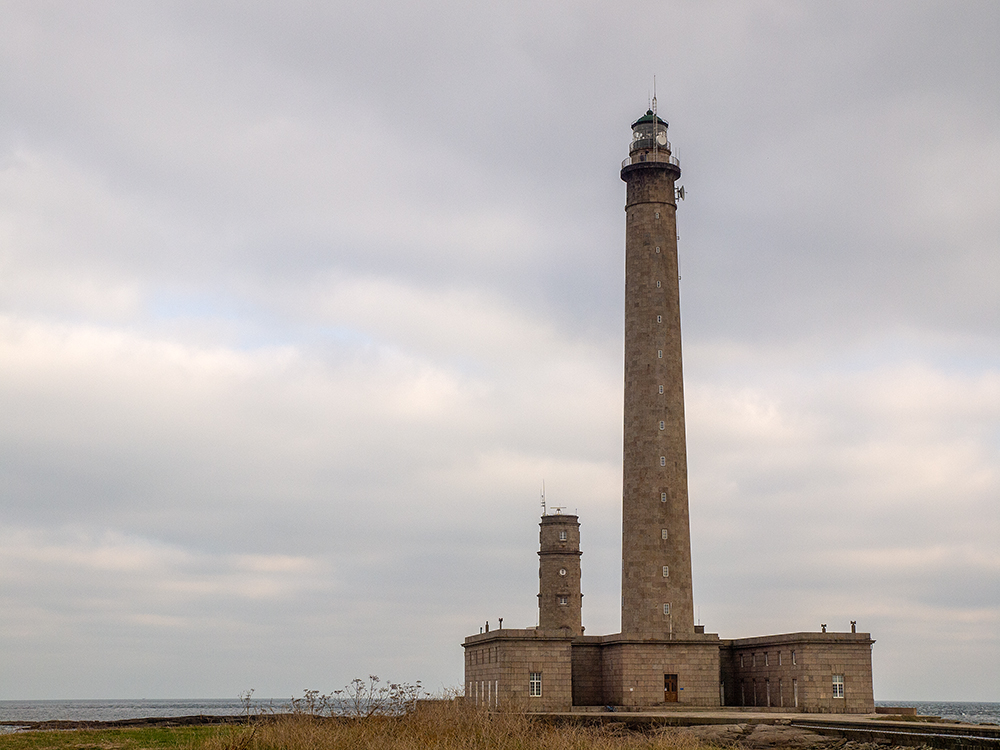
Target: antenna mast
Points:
(543, 497)
(655, 121)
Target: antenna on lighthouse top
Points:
(655, 128)
(543, 497)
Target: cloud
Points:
(299, 306)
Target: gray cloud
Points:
(299, 305)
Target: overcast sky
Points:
(300, 303)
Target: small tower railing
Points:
(651, 156)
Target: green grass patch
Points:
(127, 738)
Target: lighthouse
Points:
(657, 599)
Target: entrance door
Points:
(670, 688)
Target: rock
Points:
(758, 737)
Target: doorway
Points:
(670, 688)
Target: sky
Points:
(301, 302)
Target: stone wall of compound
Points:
(588, 673)
(499, 668)
(634, 671)
(814, 672)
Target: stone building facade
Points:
(660, 658)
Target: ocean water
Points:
(973, 713)
(111, 710)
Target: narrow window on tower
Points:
(663, 533)
(663, 460)
(663, 499)
(659, 354)
(666, 608)
(657, 284)
(666, 571)
(661, 389)
(659, 318)
(657, 214)
(663, 425)
(563, 601)
(562, 536)
(562, 571)
(657, 249)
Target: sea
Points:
(111, 710)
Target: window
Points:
(663, 497)
(838, 686)
(661, 389)
(753, 660)
(562, 571)
(657, 284)
(657, 214)
(779, 662)
(535, 684)
(666, 608)
(659, 318)
(657, 248)
(563, 601)
(767, 661)
(663, 425)
(663, 460)
(793, 662)
(562, 536)
(741, 665)
(659, 354)
(663, 533)
(666, 571)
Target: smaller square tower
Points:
(560, 602)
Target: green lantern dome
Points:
(649, 117)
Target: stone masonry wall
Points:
(507, 658)
(796, 670)
(633, 672)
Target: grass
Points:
(131, 738)
(439, 726)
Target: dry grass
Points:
(440, 726)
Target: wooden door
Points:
(670, 688)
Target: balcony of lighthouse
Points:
(660, 154)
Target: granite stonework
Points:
(797, 670)
(661, 658)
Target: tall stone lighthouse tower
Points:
(657, 600)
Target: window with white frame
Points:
(535, 684)
(838, 686)
(562, 536)
(666, 608)
(563, 600)
(663, 533)
(666, 571)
